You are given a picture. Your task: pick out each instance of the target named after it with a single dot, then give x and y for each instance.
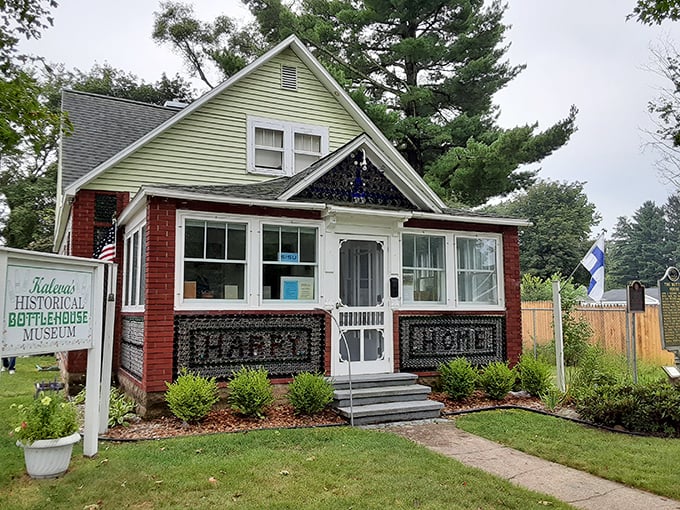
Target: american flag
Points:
(106, 249)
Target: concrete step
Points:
(371, 380)
(393, 411)
(381, 394)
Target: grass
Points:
(325, 468)
(643, 462)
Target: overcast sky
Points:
(580, 52)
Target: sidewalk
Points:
(582, 490)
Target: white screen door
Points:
(363, 315)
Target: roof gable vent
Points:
(289, 77)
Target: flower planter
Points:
(49, 458)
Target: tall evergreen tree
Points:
(639, 248)
(425, 72)
(562, 218)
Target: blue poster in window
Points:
(288, 257)
(290, 288)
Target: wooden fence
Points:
(609, 328)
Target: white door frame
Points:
(379, 317)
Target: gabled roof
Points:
(102, 127)
(301, 51)
(298, 191)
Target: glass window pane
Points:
(194, 232)
(142, 266)
(268, 159)
(437, 252)
(373, 345)
(268, 137)
(275, 277)
(422, 251)
(302, 161)
(307, 245)
(135, 268)
(236, 243)
(128, 272)
(214, 280)
(270, 243)
(215, 241)
(289, 240)
(408, 244)
(307, 143)
(353, 338)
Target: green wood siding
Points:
(209, 145)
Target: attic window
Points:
(289, 77)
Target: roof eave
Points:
(485, 220)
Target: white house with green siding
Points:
(269, 223)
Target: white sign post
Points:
(53, 303)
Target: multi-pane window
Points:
(268, 149)
(135, 267)
(289, 263)
(284, 148)
(424, 268)
(307, 150)
(477, 270)
(214, 260)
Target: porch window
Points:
(289, 263)
(477, 270)
(424, 273)
(214, 260)
(135, 267)
(284, 148)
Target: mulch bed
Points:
(281, 415)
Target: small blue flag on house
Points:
(594, 263)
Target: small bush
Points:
(121, 407)
(250, 392)
(497, 380)
(309, 393)
(552, 398)
(458, 378)
(652, 408)
(192, 396)
(596, 368)
(534, 375)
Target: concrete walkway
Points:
(582, 490)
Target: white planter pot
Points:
(49, 458)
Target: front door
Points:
(362, 316)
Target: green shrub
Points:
(309, 393)
(497, 380)
(121, 407)
(250, 392)
(458, 378)
(192, 396)
(552, 398)
(534, 375)
(652, 408)
(596, 368)
(49, 416)
(576, 333)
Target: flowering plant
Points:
(46, 417)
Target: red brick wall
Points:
(82, 244)
(160, 290)
(513, 304)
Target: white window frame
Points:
(182, 303)
(500, 275)
(253, 299)
(317, 264)
(416, 268)
(289, 130)
(452, 301)
(135, 227)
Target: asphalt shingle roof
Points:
(102, 127)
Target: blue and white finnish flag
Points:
(594, 263)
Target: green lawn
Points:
(326, 468)
(643, 462)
